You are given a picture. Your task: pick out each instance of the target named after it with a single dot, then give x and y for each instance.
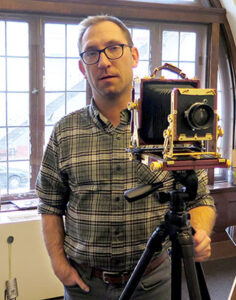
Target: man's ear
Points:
(135, 56)
(81, 67)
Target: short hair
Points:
(93, 20)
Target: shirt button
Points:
(118, 137)
(116, 261)
(118, 168)
(117, 199)
(117, 231)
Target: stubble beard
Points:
(115, 93)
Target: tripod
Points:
(177, 227)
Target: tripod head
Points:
(187, 178)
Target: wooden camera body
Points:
(172, 122)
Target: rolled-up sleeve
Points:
(51, 186)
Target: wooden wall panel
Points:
(225, 200)
(124, 9)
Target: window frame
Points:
(66, 22)
(201, 31)
(30, 21)
(175, 2)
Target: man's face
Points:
(108, 78)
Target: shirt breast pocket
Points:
(89, 169)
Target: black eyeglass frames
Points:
(91, 57)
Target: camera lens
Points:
(199, 116)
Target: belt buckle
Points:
(105, 273)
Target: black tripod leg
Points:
(202, 283)
(187, 247)
(154, 244)
(176, 268)
(192, 279)
(201, 278)
(136, 275)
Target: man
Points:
(85, 172)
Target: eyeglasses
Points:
(113, 52)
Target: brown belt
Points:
(123, 277)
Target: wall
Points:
(30, 262)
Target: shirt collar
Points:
(101, 121)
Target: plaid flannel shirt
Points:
(84, 173)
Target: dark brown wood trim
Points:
(36, 99)
(221, 187)
(225, 202)
(119, 8)
(33, 98)
(212, 69)
(223, 249)
(88, 93)
(213, 55)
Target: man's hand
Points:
(202, 245)
(69, 276)
(53, 233)
(202, 220)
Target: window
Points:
(33, 99)
(183, 46)
(65, 86)
(179, 49)
(14, 103)
(141, 39)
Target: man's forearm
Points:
(53, 233)
(203, 217)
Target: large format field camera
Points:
(172, 123)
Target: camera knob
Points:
(156, 166)
(220, 131)
(133, 105)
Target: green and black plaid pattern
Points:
(84, 173)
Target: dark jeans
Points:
(153, 286)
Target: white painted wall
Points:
(30, 261)
(230, 6)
